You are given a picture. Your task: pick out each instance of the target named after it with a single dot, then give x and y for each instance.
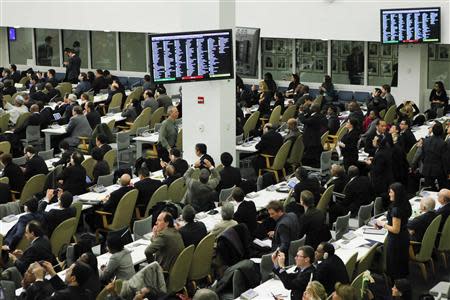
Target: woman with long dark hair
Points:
(438, 99)
(399, 211)
(271, 85)
(349, 143)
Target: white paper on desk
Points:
(263, 243)
(93, 196)
(354, 243)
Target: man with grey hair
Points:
(192, 232)
(17, 109)
(419, 224)
(168, 134)
(201, 193)
(205, 294)
(227, 213)
(78, 126)
(444, 210)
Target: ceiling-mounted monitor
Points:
(191, 56)
(411, 25)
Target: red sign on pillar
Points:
(201, 100)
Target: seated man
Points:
(92, 115)
(56, 216)
(201, 152)
(73, 177)
(286, 229)
(111, 201)
(227, 219)
(35, 288)
(444, 210)
(39, 249)
(34, 165)
(419, 224)
(245, 210)
(296, 282)
(192, 232)
(271, 141)
(15, 234)
(229, 176)
(306, 183)
(33, 120)
(17, 109)
(13, 172)
(101, 142)
(78, 126)
(201, 193)
(166, 243)
(338, 178)
(312, 222)
(146, 187)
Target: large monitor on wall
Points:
(411, 25)
(247, 45)
(191, 56)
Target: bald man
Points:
(111, 201)
(444, 210)
(419, 224)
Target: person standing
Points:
(72, 66)
(349, 143)
(399, 211)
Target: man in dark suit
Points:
(34, 165)
(92, 115)
(52, 93)
(54, 217)
(99, 82)
(306, 183)
(330, 269)
(312, 131)
(200, 151)
(245, 211)
(180, 165)
(357, 192)
(51, 77)
(312, 222)
(39, 249)
(338, 178)
(84, 85)
(15, 75)
(32, 288)
(78, 126)
(111, 201)
(146, 187)
(297, 281)
(13, 172)
(192, 232)
(286, 229)
(444, 210)
(33, 120)
(15, 234)
(406, 138)
(75, 278)
(101, 142)
(380, 133)
(271, 141)
(419, 224)
(229, 176)
(73, 66)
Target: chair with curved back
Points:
(366, 261)
(278, 162)
(116, 101)
(122, 216)
(5, 147)
(161, 194)
(110, 157)
(21, 119)
(23, 80)
(20, 161)
(104, 294)
(78, 208)
(202, 259)
(4, 180)
(141, 121)
(66, 87)
(111, 124)
(156, 117)
(426, 247)
(364, 215)
(297, 150)
(357, 284)
(180, 271)
(63, 234)
(324, 141)
(33, 186)
(390, 115)
(275, 116)
(179, 142)
(288, 113)
(89, 164)
(176, 190)
(293, 249)
(142, 227)
(410, 155)
(325, 199)
(444, 242)
(106, 180)
(333, 140)
(250, 124)
(46, 154)
(4, 121)
(7, 99)
(350, 265)
(225, 194)
(340, 226)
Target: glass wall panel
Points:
(77, 40)
(347, 62)
(277, 58)
(132, 52)
(21, 48)
(47, 47)
(311, 60)
(103, 49)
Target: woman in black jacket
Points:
(381, 167)
(349, 143)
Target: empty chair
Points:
(18, 160)
(142, 227)
(88, 165)
(46, 154)
(4, 120)
(110, 157)
(176, 190)
(63, 234)
(444, 242)
(250, 124)
(33, 136)
(123, 145)
(364, 215)
(325, 199)
(106, 180)
(296, 155)
(378, 206)
(279, 161)
(180, 271)
(33, 186)
(341, 226)
(288, 113)
(366, 261)
(275, 116)
(158, 196)
(156, 117)
(293, 249)
(266, 267)
(116, 101)
(325, 163)
(350, 265)
(202, 259)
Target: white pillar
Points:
(214, 121)
(412, 74)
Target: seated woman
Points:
(132, 111)
(407, 111)
(101, 168)
(438, 99)
(120, 264)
